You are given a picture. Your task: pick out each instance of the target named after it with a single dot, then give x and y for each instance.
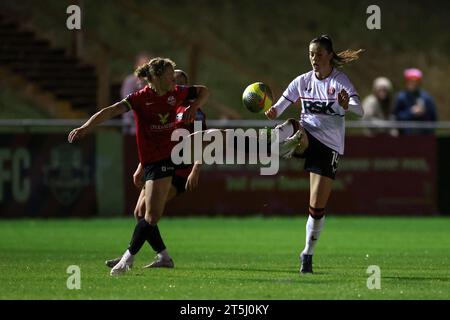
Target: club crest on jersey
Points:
(179, 116)
(331, 90)
(171, 100)
(163, 118)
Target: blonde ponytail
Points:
(154, 68)
(345, 57)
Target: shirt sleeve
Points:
(133, 100)
(186, 93)
(192, 93)
(354, 104)
(289, 96)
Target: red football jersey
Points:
(155, 120)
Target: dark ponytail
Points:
(341, 58)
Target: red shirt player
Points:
(155, 110)
(155, 120)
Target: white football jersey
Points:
(321, 115)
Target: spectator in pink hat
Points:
(414, 103)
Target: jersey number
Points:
(334, 160)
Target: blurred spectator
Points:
(130, 85)
(414, 104)
(378, 106)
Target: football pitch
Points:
(229, 258)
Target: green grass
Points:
(229, 258)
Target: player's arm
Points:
(98, 118)
(200, 95)
(138, 176)
(290, 96)
(139, 210)
(348, 98)
(192, 180)
(350, 103)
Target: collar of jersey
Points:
(332, 71)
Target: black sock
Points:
(140, 234)
(154, 238)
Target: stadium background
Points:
(50, 72)
(70, 204)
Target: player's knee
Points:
(290, 125)
(316, 213)
(294, 123)
(138, 214)
(152, 218)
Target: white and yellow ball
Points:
(257, 97)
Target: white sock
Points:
(126, 256)
(313, 229)
(165, 254)
(285, 130)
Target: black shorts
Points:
(163, 169)
(179, 183)
(319, 158)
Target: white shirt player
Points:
(322, 116)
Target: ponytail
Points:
(345, 57)
(143, 71)
(153, 68)
(341, 58)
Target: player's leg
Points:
(162, 258)
(173, 192)
(139, 213)
(156, 192)
(320, 189)
(291, 137)
(293, 140)
(159, 192)
(321, 162)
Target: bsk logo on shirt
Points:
(322, 107)
(171, 100)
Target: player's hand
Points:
(189, 114)
(192, 180)
(77, 133)
(343, 99)
(138, 176)
(271, 113)
(139, 211)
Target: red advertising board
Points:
(42, 175)
(376, 176)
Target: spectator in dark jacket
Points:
(414, 104)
